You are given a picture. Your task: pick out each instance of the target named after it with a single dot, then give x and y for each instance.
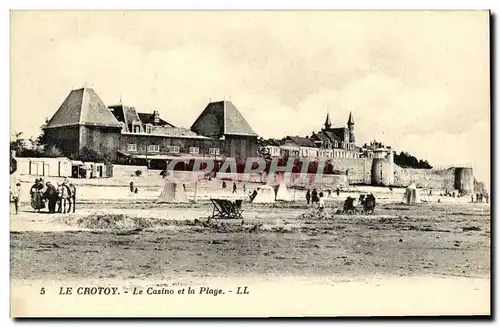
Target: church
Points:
(337, 137)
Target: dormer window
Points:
(136, 127)
(149, 128)
(124, 126)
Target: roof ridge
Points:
(225, 117)
(80, 120)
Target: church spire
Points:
(350, 121)
(328, 123)
(350, 126)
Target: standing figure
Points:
(36, 195)
(329, 193)
(321, 201)
(132, 188)
(15, 194)
(51, 195)
(314, 196)
(338, 191)
(234, 187)
(224, 184)
(308, 197)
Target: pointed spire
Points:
(350, 121)
(328, 123)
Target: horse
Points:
(66, 194)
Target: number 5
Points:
(42, 291)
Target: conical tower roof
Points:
(83, 107)
(328, 123)
(222, 118)
(350, 121)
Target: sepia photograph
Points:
(222, 163)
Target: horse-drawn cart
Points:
(369, 205)
(349, 207)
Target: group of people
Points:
(41, 193)
(480, 197)
(316, 198)
(133, 188)
(235, 188)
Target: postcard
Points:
(250, 163)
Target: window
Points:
(149, 128)
(124, 126)
(194, 150)
(132, 147)
(136, 127)
(153, 148)
(173, 148)
(214, 151)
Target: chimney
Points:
(156, 116)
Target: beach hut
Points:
(265, 194)
(282, 194)
(173, 193)
(50, 167)
(411, 194)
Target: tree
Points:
(404, 159)
(41, 140)
(18, 144)
(52, 152)
(88, 155)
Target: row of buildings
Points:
(83, 124)
(329, 142)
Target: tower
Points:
(328, 123)
(350, 126)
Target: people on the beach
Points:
(314, 196)
(15, 194)
(51, 195)
(321, 201)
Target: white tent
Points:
(411, 195)
(283, 194)
(265, 194)
(173, 193)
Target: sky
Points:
(418, 81)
